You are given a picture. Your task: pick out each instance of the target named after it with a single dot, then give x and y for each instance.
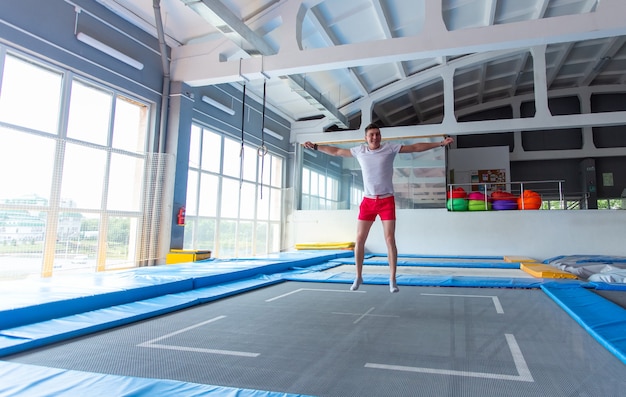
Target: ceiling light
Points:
(100, 46)
(218, 105)
(273, 134)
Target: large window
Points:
(234, 197)
(74, 171)
(319, 192)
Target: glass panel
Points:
(263, 203)
(130, 125)
(209, 188)
(191, 206)
(90, 113)
(265, 170)
(125, 183)
(211, 151)
(249, 163)
(248, 201)
(189, 237)
(277, 172)
(274, 237)
(205, 234)
(261, 238)
(230, 198)
(77, 243)
(276, 205)
(245, 239)
(27, 162)
(83, 176)
(228, 236)
(306, 181)
(194, 147)
(121, 242)
(21, 243)
(30, 90)
(232, 158)
(314, 183)
(321, 186)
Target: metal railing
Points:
(549, 189)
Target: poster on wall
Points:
(488, 181)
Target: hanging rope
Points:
(262, 150)
(243, 114)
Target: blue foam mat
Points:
(430, 280)
(603, 319)
(34, 380)
(433, 263)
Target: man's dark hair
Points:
(371, 126)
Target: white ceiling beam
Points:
(490, 12)
(219, 16)
(607, 21)
(540, 122)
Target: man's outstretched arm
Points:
(328, 149)
(423, 146)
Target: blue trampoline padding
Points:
(52, 298)
(34, 301)
(484, 257)
(429, 280)
(17, 380)
(477, 265)
(19, 339)
(603, 319)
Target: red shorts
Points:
(385, 207)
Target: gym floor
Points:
(320, 339)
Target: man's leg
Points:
(362, 230)
(389, 228)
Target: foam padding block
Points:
(325, 246)
(604, 320)
(518, 259)
(545, 271)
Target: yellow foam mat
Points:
(514, 259)
(544, 271)
(325, 246)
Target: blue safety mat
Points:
(434, 263)
(603, 319)
(31, 380)
(429, 280)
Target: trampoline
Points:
(287, 333)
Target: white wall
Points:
(462, 162)
(538, 234)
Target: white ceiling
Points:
(357, 55)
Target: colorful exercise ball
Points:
(502, 195)
(457, 192)
(457, 204)
(478, 205)
(529, 200)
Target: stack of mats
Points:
(348, 245)
(539, 270)
(594, 268)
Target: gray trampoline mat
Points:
(321, 339)
(434, 271)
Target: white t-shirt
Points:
(377, 167)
